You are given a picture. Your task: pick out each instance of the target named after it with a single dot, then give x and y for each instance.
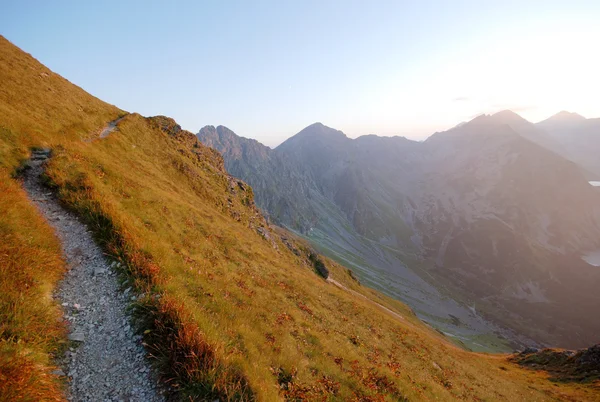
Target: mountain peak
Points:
(508, 117)
(502, 118)
(315, 133)
(564, 116)
(220, 132)
(320, 128)
(231, 145)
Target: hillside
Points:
(342, 230)
(479, 229)
(229, 307)
(263, 169)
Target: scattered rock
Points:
(566, 365)
(529, 350)
(589, 357)
(77, 337)
(40, 154)
(99, 271)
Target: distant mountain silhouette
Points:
(578, 139)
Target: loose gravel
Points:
(106, 360)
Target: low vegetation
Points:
(37, 107)
(582, 366)
(229, 307)
(30, 328)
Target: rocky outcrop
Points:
(284, 192)
(564, 365)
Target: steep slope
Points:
(524, 128)
(275, 180)
(36, 106)
(515, 219)
(481, 212)
(231, 309)
(353, 216)
(95, 307)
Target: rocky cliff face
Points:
(283, 190)
(497, 220)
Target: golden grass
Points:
(37, 108)
(228, 314)
(30, 327)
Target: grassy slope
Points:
(229, 315)
(37, 108)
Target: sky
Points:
(267, 69)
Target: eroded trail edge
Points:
(106, 360)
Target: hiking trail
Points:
(106, 360)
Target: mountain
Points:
(345, 215)
(275, 182)
(481, 213)
(578, 137)
(524, 128)
(515, 220)
(563, 118)
(223, 305)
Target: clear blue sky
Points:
(266, 69)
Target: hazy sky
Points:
(266, 69)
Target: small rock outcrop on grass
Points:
(564, 365)
(319, 265)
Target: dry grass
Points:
(30, 328)
(37, 108)
(227, 313)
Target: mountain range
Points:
(480, 229)
(134, 266)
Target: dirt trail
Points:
(112, 126)
(391, 312)
(106, 360)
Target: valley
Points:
(468, 227)
(390, 276)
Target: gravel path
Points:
(112, 126)
(106, 361)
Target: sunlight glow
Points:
(535, 74)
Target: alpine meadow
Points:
(140, 261)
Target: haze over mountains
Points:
(484, 222)
(578, 139)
